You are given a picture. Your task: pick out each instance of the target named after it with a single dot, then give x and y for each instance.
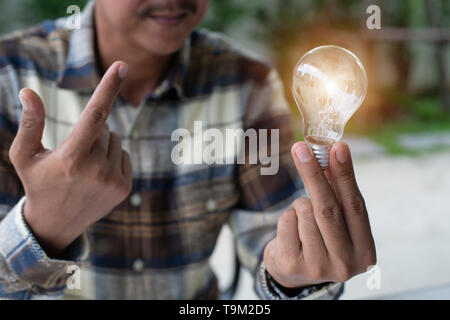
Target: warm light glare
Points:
(331, 87)
(329, 84)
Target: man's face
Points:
(158, 26)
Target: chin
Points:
(164, 46)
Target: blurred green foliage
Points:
(272, 14)
(19, 14)
(50, 9)
(284, 14)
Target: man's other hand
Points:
(327, 237)
(88, 174)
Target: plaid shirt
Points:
(157, 243)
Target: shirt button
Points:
(211, 204)
(135, 199)
(138, 265)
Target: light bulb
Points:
(329, 84)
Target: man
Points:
(87, 161)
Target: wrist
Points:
(270, 289)
(291, 283)
(51, 237)
(287, 281)
(289, 291)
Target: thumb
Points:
(29, 136)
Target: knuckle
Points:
(299, 202)
(347, 173)
(329, 211)
(302, 204)
(97, 116)
(307, 214)
(269, 251)
(285, 218)
(317, 273)
(358, 205)
(27, 122)
(70, 165)
(12, 153)
(344, 272)
(308, 223)
(99, 173)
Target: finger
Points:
(313, 246)
(270, 257)
(287, 240)
(315, 181)
(127, 169)
(115, 147)
(352, 202)
(94, 115)
(29, 135)
(103, 141)
(325, 206)
(100, 148)
(327, 175)
(114, 154)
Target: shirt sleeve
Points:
(268, 288)
(26, 271)
(266, 194)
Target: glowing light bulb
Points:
(329, 84)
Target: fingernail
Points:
(123, 70)
(302, 152)
(24, 102)
(341, 154)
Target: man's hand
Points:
(81, 181)
(327, 238)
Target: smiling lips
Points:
(168, 19)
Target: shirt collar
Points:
(175, 77)
(81, 71)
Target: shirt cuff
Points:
(268, 289)
(26, 258)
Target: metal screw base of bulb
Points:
(322, 154)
